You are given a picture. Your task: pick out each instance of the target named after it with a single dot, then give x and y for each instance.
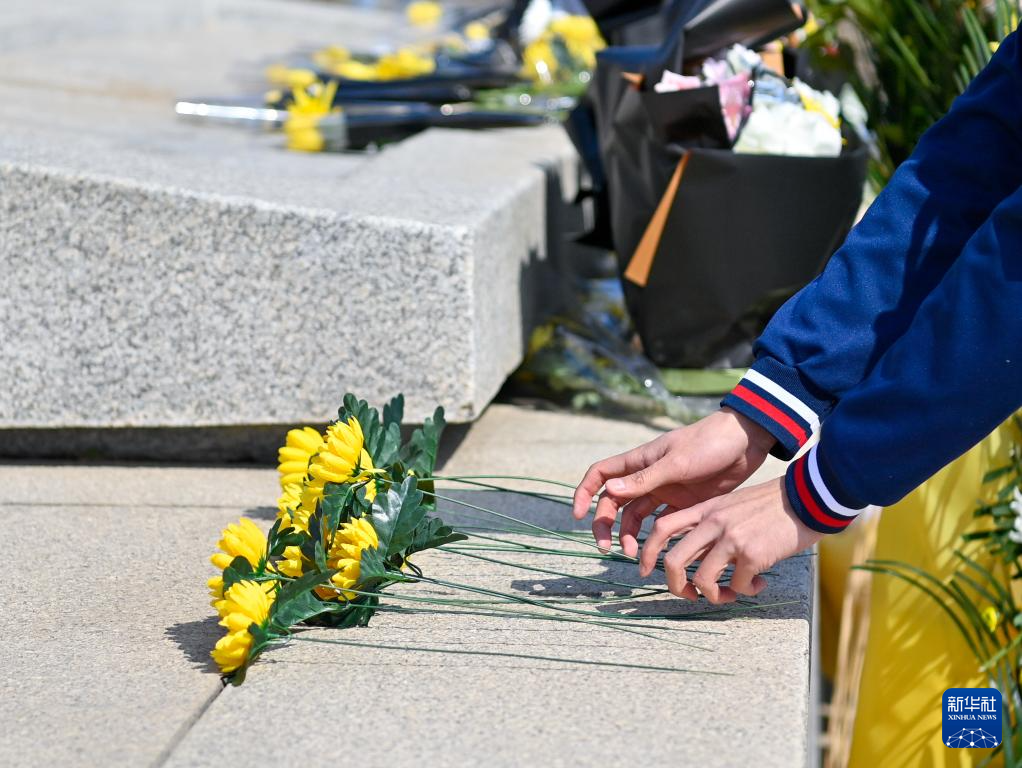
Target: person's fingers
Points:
(603, 521)
(707, 576)
(745, 580)
(666, 527)
(599, 473)
(676, 561)
(644, 480)
(631, 523)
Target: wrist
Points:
(758, 437)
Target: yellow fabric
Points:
(915, 652)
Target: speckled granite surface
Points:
(159, 273)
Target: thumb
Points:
(644, 481)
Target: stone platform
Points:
(159, 273)
(107, 633)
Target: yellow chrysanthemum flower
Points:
(346, 555)
(216, 591)
(300, 445)
(991, 617)
(243, 538)
(305, 113)
(424, 13)
(344, 459)
(292, 508)
(291, 562)
(245, 603)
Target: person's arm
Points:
(952, 377)
(947, 382)
(829, 336)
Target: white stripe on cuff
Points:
(825, 494)
(775, 389)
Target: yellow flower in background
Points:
(581, 37)
(477, 32)
(245, 603)
(355, 70)
(300, 445)
(404, 63)
(290, 77)
(244, 539)
(344, 459)
(350, 541)
(304, 115)
(539, 62)
(424, 13)
(991, 617)
(331, 56)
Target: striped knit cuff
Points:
(779, 410)
(811, 497)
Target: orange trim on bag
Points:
(634, 78)
(641, 263)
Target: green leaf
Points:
(421, 452)
(389, 450)
(298, 609)
(994, 474)
(374, 572)
(319, 556)
(296, 602)
(396, 514)
(238, 570)
(394, 411)
(431, 533)
(335, 507)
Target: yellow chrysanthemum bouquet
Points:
(357, 502)
(354, 508)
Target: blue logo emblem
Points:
(971, 718)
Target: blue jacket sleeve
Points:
(947, 382)
(829, 336)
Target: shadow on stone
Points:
(196, 639)
(261, 513)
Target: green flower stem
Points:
(502, 477)
(484, 608)
(551, 497)
(537, 569)
(629, 617)
(520, 522)
(504, 654)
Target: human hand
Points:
(680, 468)
(752, 528)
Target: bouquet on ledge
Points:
(357, 503)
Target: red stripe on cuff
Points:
(772, 411)
(806, 497)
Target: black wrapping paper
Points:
(743, 234)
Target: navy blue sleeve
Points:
(828, 337)
(947, 382)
